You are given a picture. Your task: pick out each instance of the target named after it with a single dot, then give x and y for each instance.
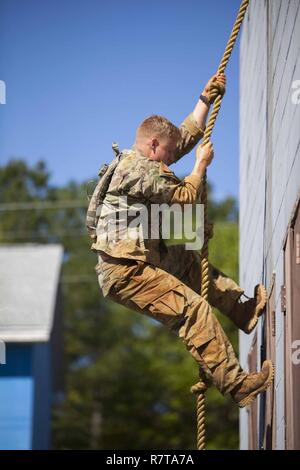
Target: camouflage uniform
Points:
(137, 179)
(159, 281)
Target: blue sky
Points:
(81, 74)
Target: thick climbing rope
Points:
(200, 388)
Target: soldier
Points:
(144, 274)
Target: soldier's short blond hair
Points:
(158, 126)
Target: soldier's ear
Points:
(150, 144)
(154, 143)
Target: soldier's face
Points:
(163, 149)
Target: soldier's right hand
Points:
(205, 154)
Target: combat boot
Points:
(253, 384)
(245, 315)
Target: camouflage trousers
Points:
(170, 294)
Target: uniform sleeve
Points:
(160, 185)
(149, 180)
(191, 134)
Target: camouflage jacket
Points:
(140, 180)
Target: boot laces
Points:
(244, 295)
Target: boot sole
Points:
(251, 397)
(259, 308)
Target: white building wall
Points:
(269, 162)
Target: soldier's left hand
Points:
(217, 83)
